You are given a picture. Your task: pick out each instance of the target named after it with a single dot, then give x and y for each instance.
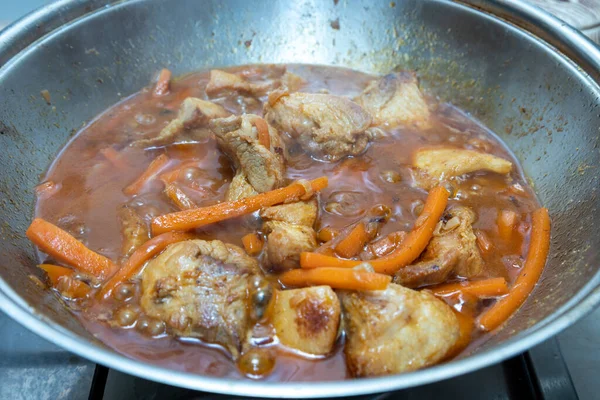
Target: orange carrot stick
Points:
(178, 197)
(337, 278)
(154, 168)
(483, 242)
(406, 252)
(174, 174)
(252, 243)
(483, 288)
(163, 83)
(263, 132)
(354, 242)
(326, 234)
(63, 247)
(142, 254)
(534, 264)
(507, 224)
(114, 157)
(466, 325)
(198, 217)
(62, 280)
(387, 244)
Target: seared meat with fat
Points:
(328, 127)
(306, 319)
(289, 229)
(201, 289)
(445, 163)
(193, 113)
(262, 167)
(453, 250)
(395, 99)
(395, 330)
(223, 83)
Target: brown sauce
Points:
(90, 193)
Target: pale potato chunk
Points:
(307, 319)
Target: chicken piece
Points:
(452, 250)
(285, 242)
(262, 168)
(193, 113)
(291, 82)
(202, 289)
(306, 319)
(289, 229)
(444, 163)
(298, 213)
(223, 83)
(395, 330)
(239, 188)
(133, 229)
(328, 127)
(395, 99)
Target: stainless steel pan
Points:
(526, 75)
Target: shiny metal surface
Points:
(540, 97)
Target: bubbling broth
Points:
(121, 172)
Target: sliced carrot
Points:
(174, 174)
(527, 279)
(178, 197)
(354, 242)
(387, 244)
(466, 325)
(114, 157)
(507, 225)
(409, 249)
(154, 168)
(483, 242)
(198, 217)
(63, 247)
(62, 280)
(163, 83)
(483, 288)
(252, 243)
(263, 132)
(327, 233)
(337, 278)
(139, 257)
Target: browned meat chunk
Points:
(262, 167)
(445, 163)
(202, 289)
(306, 319)
(328, 127)
(239, 188)
(395, 330)
(223, 83)
(285, 242)
(289, 229)
(298, 213)
(133, 228)
(395, 99)
(193, 113)
(453, 250)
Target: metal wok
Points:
(526, 75)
